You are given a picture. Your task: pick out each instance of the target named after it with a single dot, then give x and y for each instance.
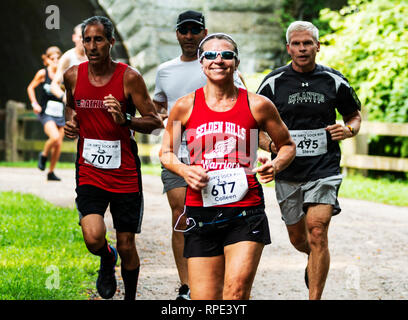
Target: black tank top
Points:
(45, 94)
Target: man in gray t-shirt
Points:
(175, 79)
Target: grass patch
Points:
(42, 253)
(33, 164)
(377, 190)
(152, 169)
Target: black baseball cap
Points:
(190, 16)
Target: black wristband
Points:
(270, 146)
(128, 120)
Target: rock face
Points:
(147, 28)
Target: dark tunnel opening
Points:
(25, 37)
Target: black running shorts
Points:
(124, 207)
(209, 239)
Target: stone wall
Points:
(148, 29)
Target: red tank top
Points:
(224, 140)
(107, 152)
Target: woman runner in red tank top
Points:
(226, 221)
(222, 141)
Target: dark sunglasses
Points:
(194, 30)
(212, 55)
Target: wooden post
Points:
(362, 140)
(13, 109)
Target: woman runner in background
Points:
(50, 111)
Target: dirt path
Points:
(368, 245)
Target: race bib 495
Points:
(309, 142)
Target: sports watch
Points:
(128, 120)
(351, 129)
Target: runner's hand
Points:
(163, 116)
(273, 148)
(114, 109)
(36, 108)
(196, 177)
(266, 171)
(71, 129)
(338, 132)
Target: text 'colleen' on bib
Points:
(225, 186)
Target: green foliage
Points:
(307, 10)
(369, 46)
(254, 80)
(292, 10)
(40, 244)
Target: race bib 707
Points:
(102, 153)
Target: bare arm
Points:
(37, 80)
(71, 128)
(161, 108)
(266, 143)
(339, 132)
(195, 176)
(135, 89)
(268, 119)
(56, 90)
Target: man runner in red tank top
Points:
(102, 97)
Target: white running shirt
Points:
(73, 58)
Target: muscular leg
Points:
(130, 262)
(241, 263)
(317, 223)
(94, 231)
(206, 277)
(298, 236)
(176, 198)
(51, 130)
(56, 149)
(127, 250)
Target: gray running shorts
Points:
(44, 118)
(294, 197)
(171, 180)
